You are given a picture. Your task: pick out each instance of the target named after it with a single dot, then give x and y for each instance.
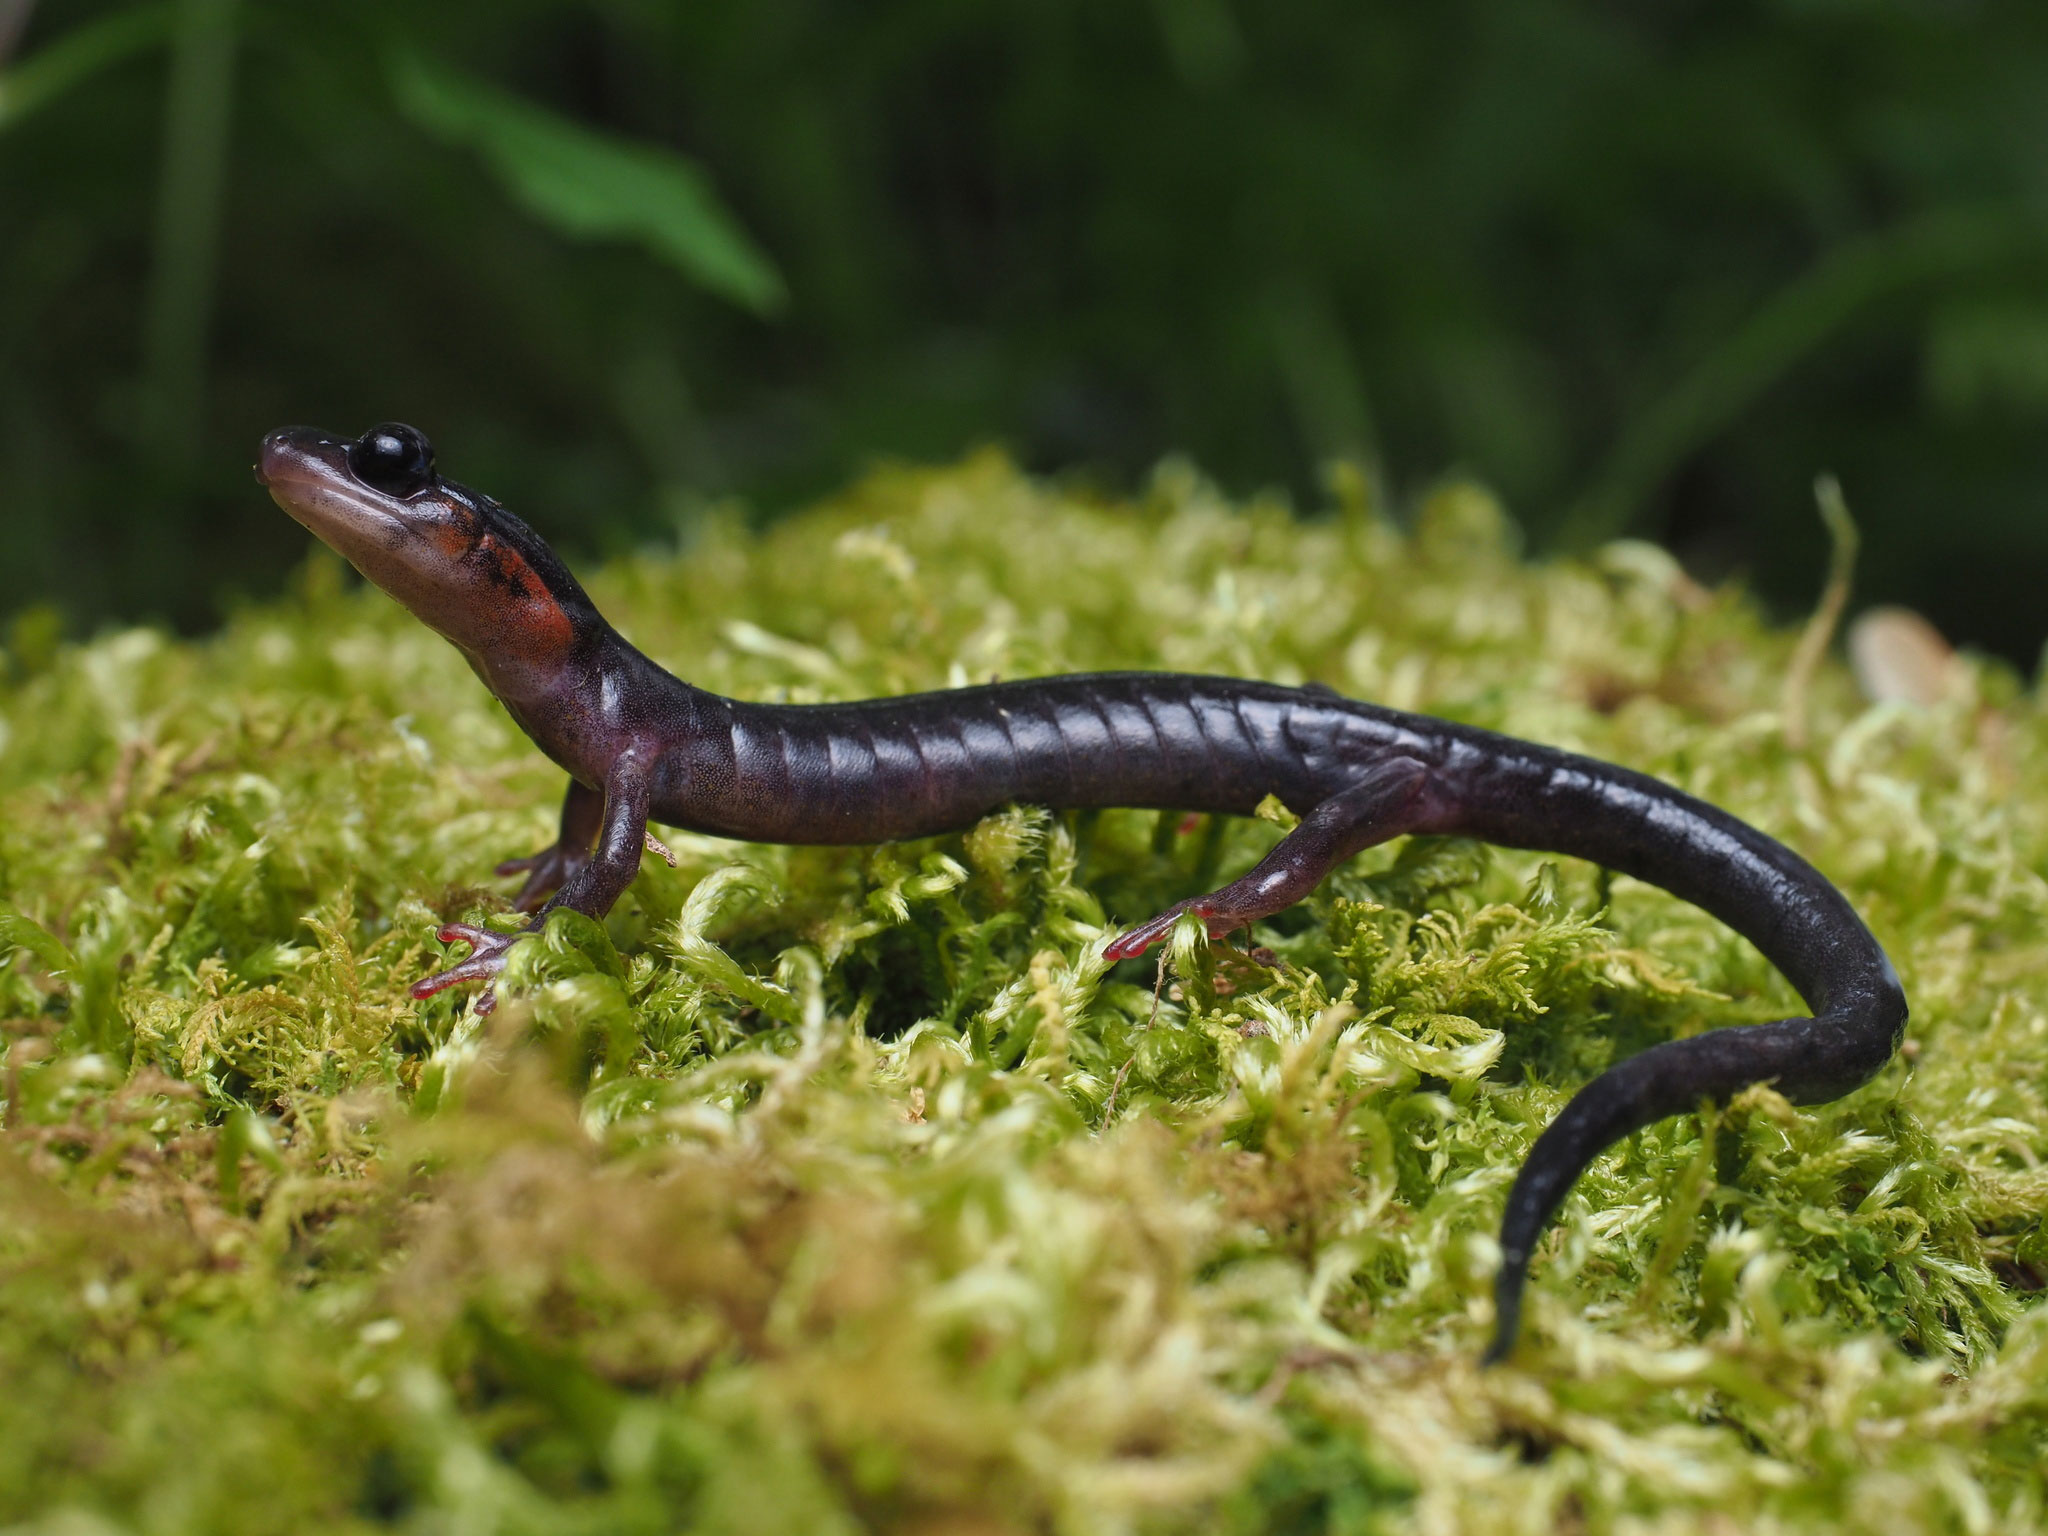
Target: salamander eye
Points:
(393, 458)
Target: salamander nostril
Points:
(393, 458)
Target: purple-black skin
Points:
(641, 745)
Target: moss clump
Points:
(847, 1189)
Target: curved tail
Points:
(1808, 1060)
(1753, 883)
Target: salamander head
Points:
(462, 563)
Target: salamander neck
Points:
(595, 701)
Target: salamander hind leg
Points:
(1386, 802)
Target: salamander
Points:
(640, 745)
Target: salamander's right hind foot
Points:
(1383, 803)
(1133, 942)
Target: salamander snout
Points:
(292, 453)
(367, 498)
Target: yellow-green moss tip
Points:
(848, 1190)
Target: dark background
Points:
(1645, 268)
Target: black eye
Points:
(393, 458)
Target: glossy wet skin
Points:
(642, 745)
(456, 559)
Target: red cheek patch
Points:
(543, 624)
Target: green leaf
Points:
(77, 56)
(590, 185)
(20, 931)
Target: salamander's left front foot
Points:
(487, 951)
(546, 872)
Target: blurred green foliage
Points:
(1641, 268)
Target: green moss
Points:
(847, 1189)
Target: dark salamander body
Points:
(641, 745)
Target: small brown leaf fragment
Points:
(1899, 657)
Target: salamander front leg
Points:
(487, 949)
(555, 865)
(591, 888)
(1386, 802)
